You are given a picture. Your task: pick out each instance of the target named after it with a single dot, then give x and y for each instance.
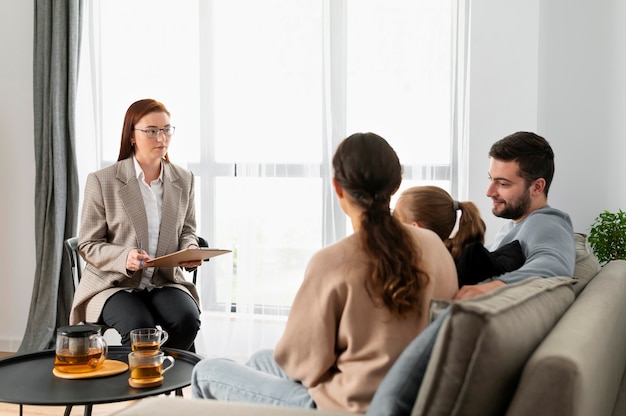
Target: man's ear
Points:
(538, 186)
(338, 188)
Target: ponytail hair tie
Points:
(455, 205)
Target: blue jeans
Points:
(260, 380)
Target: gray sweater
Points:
(547, 240)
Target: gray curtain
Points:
(55, 73)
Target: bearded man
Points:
(520, 172)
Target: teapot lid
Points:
(78, 331)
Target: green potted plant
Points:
(607, 236)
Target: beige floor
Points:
(8, 409)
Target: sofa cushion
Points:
(484, 343)
(396, 394)
(587, 264)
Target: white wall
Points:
(17, 170)
(582, 104)
(503, 85)
(556, 67)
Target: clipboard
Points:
(188, 254)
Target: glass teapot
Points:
(80, 349)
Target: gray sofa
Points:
(552, 346)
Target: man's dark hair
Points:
(532, 152)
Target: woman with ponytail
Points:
(363, 299)
(433, 208)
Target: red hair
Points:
(136, 112)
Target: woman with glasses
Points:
(363, 299)
(137, 209)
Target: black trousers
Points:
(174, 310)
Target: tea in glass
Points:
(147, 339)
(67, 362)
(146, 346)
(148, 371)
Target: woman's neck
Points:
(151, 169)
(355, 213)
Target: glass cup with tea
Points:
(79, 349)
(147, 339)
(146, 370)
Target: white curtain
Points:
(460, 96)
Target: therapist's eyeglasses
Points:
(154, 133)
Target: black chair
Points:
(201, 243)
(71, 250)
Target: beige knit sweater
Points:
(336, 341)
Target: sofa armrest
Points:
(577, 370)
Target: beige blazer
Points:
(114, 221)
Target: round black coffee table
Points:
(28, 379)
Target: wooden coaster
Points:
(109, 368)
(144, 384)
